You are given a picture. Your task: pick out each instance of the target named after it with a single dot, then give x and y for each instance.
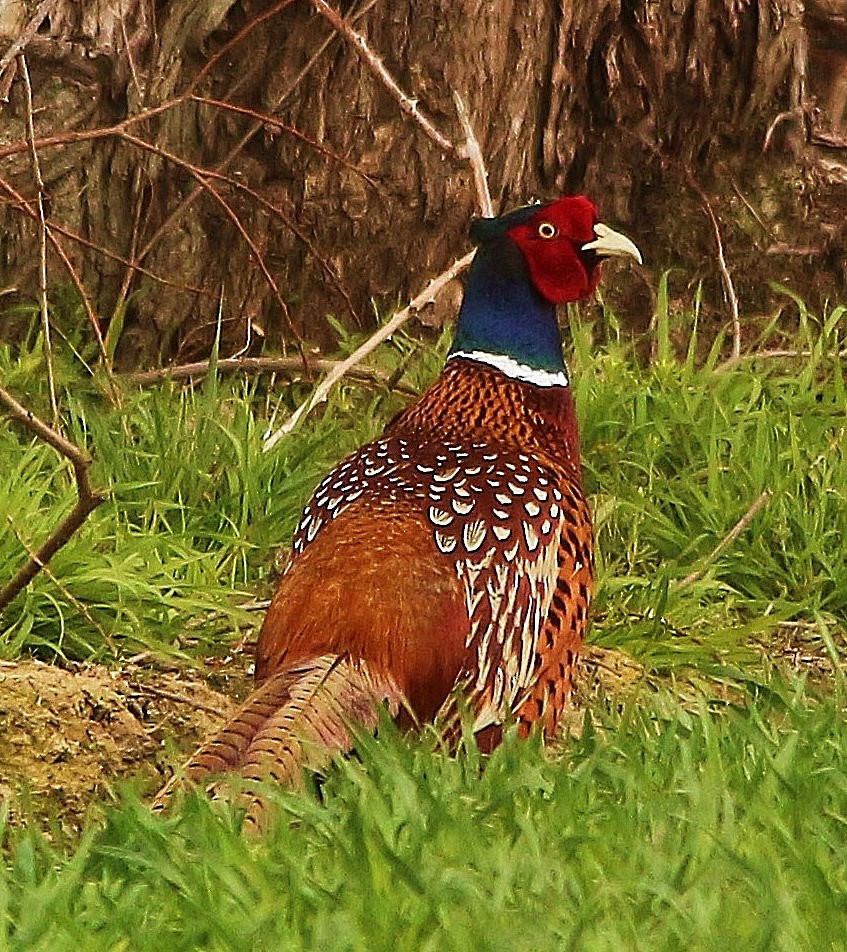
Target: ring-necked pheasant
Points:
(453, 555)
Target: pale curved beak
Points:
(611, 243)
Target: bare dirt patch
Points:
(67, 736)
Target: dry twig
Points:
(244, 32)
(469, 150)
(42, 242)
(796, 113)
(257, 126)
(80, 606)
(427, 296)
(377, 67)
(25, 206)
(201, 176)
(42, 11)
(761, 500)
(121, 130)
(272, 122)
(732, 362)
(260, 365)
(473, 154)
(726, 277)
(87, 498)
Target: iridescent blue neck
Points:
(504, 318)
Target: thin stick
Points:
(22, 203)
(761, 500)
(245, 31)
(726, 278)
(427, 296)
(294, 228)
(75, 136)
(44, 9)
(378, 68)
(120, 259)
(277, 125)
(42, 242)
(129, 272)
(732, 362)
(144, 688)
(259, 365)
(749, 206)
(472, 152)
(201, 176)
(81, 607)
(257, 126)
(87, 499)
(795, 113)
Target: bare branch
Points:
(796, 113)
(427, 296)
(472, 152)
(258, 125)
(54, 227)
(43, 10)
(726, 278)
(42, 243)
(87, 499)
(273, 123)
(81, 607)
(202, 178)
(73, 136)
(60, 251)
(291, 365)
(733, 362)
(377, 67)
(230, 44)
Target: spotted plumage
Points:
(452, 557)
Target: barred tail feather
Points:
(298, 718)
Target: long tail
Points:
(297, 718)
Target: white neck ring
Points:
(518, 371)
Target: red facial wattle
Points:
(563, 245)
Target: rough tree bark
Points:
(645, 106)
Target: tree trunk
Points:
(651, 108)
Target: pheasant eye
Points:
(547, 230)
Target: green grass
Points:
(704, 808)
(195, 511)
(676, 454)
(659, 829)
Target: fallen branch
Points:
(734, 361)
(427, 296)
(87, 499)
(761, 500)
(198, 368)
